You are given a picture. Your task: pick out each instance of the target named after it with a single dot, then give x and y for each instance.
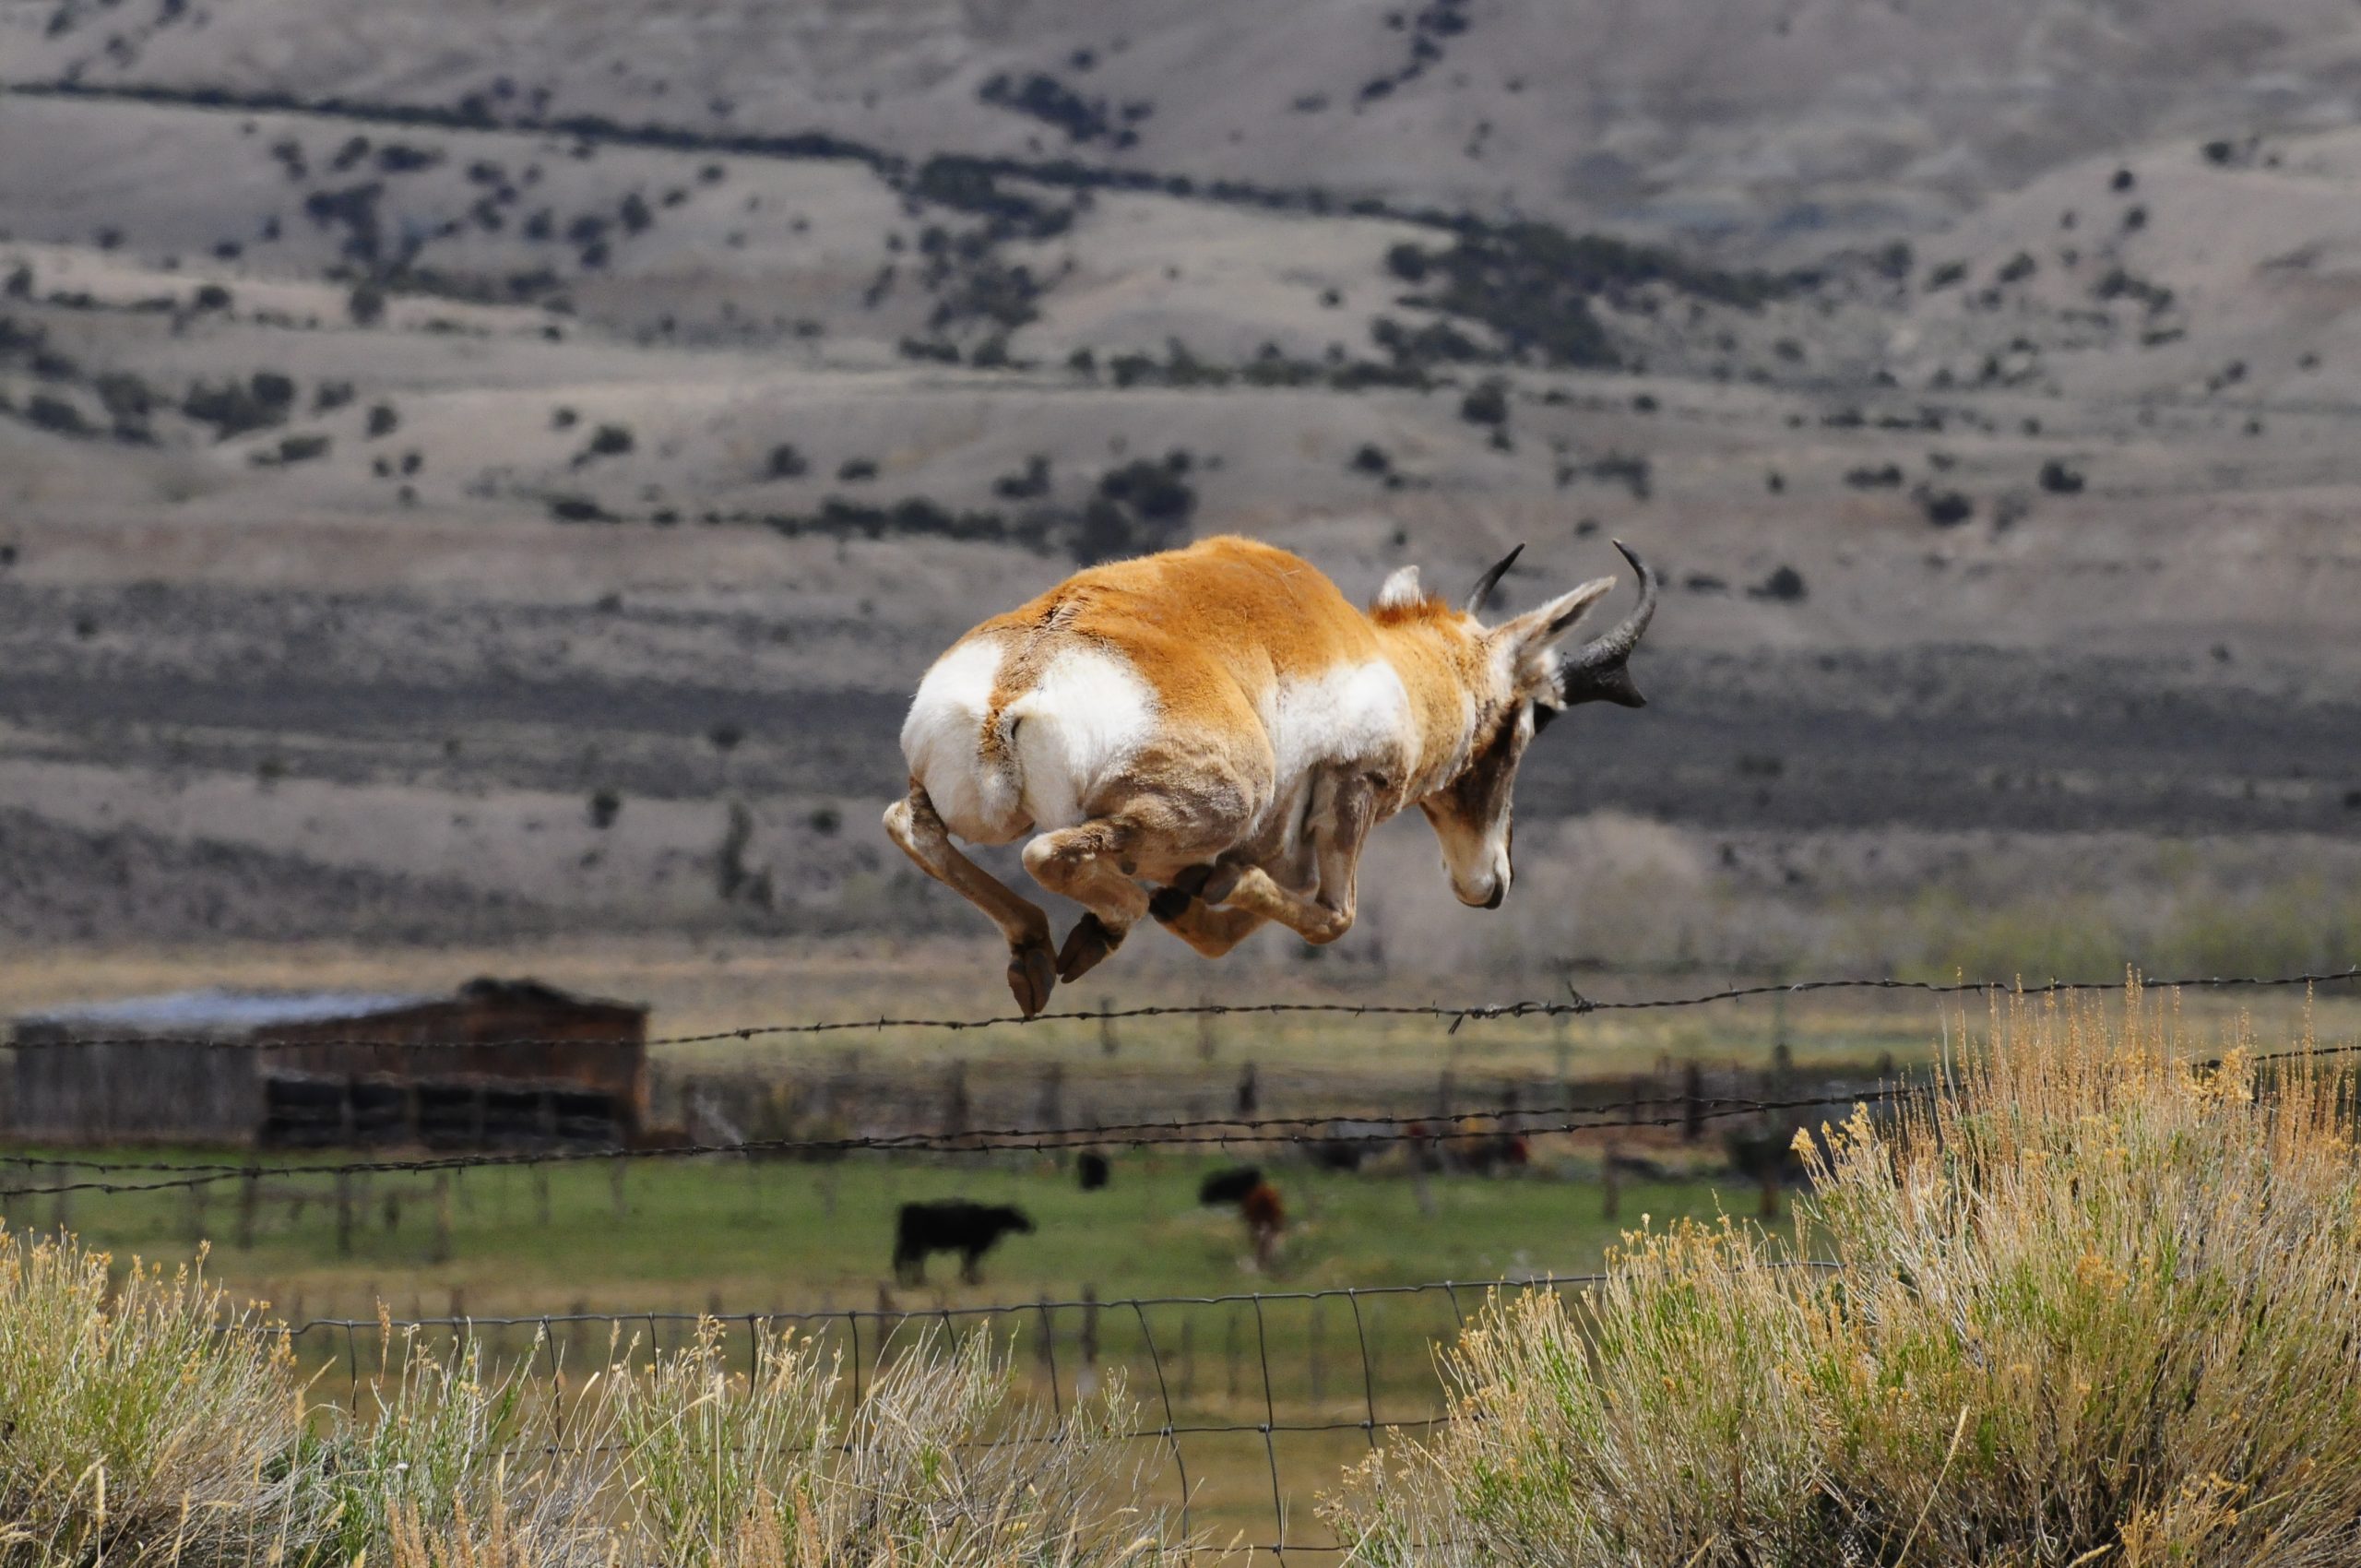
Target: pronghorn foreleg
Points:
(1338, 834)
(1092, 864)
(913, 824)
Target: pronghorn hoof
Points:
(1221, 884)
(1090, 940)
(1031, 975)
(1168, 904)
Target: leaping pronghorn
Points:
(1208, 735)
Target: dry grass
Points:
(2096, 1303)
(132, 1428)
(685, 1465)
(145, 1421)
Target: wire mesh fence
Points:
(1247, 1407)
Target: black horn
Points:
(1490, 580)
(1596, 671)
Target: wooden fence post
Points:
(249, 1202)
(954, 1099)
(1085, 1382)
(439, 1248)
(61, 1212)
(1319, 1320)
(344, 1214)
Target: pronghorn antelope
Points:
(1207, 736)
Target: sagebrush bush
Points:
(2095, 1302)
(134, 1426)
(144, 1423)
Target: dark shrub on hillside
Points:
(1030, 486)
(856, 470)
(293, 449)
(1488, 404)
(395, 158)
(968, 185)
(366, 304)
(235, 408)
(353, 209)
(610, 441)
(57, 415)
(787, 462)
(1888, 476)
(605, 806)
(1945, 508)
(928, 349)
(382, 421)
(2059, 479)
(1140, 507)
(1046, 99)
(1533, 284)
(579, 509)
(212, 296)
(127, 399)
(1784, 586)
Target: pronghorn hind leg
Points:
(913, 824)
(1210, 931)
(1092, 865)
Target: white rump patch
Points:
(1083, 719)
(940, 741)
(1401, 590)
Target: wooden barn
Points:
(496, 1063)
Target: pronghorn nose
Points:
(1500, 891)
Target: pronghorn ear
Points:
(1535, 630)
(1400, 592)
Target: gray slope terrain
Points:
(470, 470)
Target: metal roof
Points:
(221, 1010)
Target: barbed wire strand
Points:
(1575, 1005)
(1329, 1128)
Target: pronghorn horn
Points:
(1596, 672)
(1490, 580)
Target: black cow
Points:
(1229, 1186)
(1091, 1169)
(951, 1225)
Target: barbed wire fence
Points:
(1341, 1125)
(1378, 1385)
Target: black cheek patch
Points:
(1543, 717)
